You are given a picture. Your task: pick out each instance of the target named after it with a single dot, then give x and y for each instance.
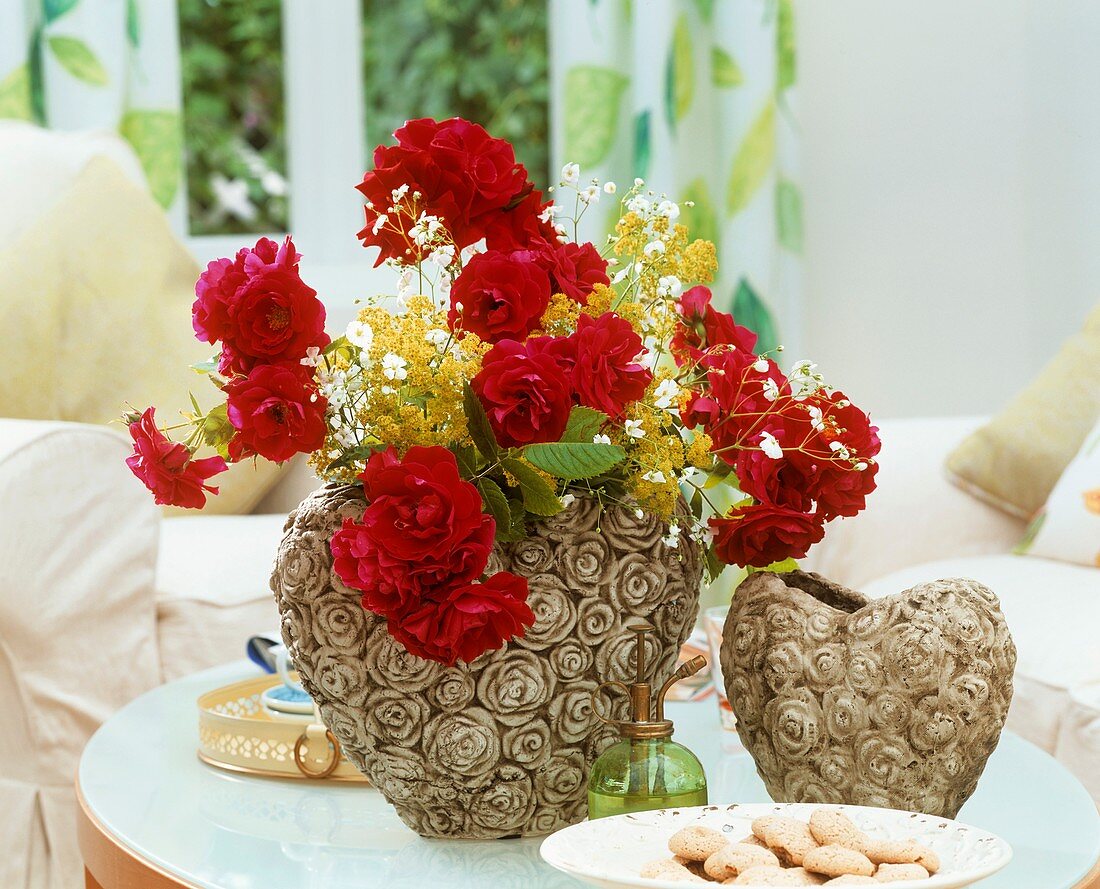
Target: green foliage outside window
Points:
(485, 60)
(234, 127)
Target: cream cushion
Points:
(100, 278)
(1053, 611)
(1014, 461)
(212, 588)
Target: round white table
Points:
(152, 815)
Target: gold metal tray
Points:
(238, 733)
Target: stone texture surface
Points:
(502, 746)
(895, 702)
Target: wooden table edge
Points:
(108, 864)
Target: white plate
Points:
(610, 852)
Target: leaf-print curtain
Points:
(697, 99)
(95, 64)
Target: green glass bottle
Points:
(646, 769)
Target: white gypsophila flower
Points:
(360, 334)
(860, 466)
(438, 338)
(769, 444)
(571, 174)
(669, 285)
(619, 275)
(771, 389)
(591, 194)
(654, 247)
(601, 439)
(378, 223)
(672, 539)
(760, 365)
(840, 450)
(639, 205)
(393, 366)
(669, 209)
(405, 285)
(655, 476)
(639, 514)
(442, 256)
(817, 419)
(634, 429)
(610, 187)
(399, 192)
(706, 535)
(548, 213)
(388, 390)
(469, 252)
(666, 394)
(638, 182)
(313, 357)
(567, 499)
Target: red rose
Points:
(574, 269)
(258, 307)
(846, 445)
(503, 296)
(452, 169)
(394, 168)
(521, 227)
(524, 391)
(604, 373)
(473, 159)
(166, 467)
(791, 480)
(277, 413)
(740, 390)
(468, 620)
(761, 534)
(423, 527)
(702, 328)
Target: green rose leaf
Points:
(478, 422)
(753, 160)
(75, 57)
(496, 504)
(700, 219)
(158, 142)
(724, 71)
(360, 453)
(517, 528)
(572, 460)
(715, 566)
(776, 567)
(217, 430)
(679, 73)
(642, 147)
(785, 49)
(592, 100)
(54, 9)
(584, 423)
(750, 311)
(15, 95)
(538, 497)
(788, 215)
(466, 458)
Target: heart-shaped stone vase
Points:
(893, 702)
(501, 746)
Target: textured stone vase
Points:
(501, 746)
(893, 702)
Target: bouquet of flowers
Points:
(513, 370)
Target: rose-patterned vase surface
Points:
(894, 702)
(501, 746)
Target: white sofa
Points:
(102, 598)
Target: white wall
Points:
(951, 174)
